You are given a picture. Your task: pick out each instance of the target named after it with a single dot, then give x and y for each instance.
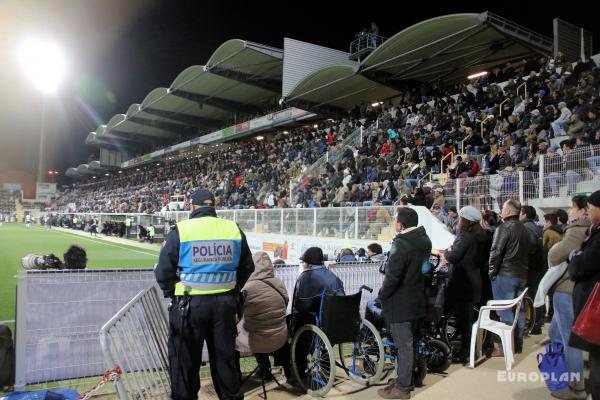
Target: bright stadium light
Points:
(285, 132)
(477, 75)
(375, 104)
(120, 172)
(107, 174)
(259, 138)
(44, 63)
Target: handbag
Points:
(586, 326)
(553, 367)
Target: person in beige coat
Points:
(262, 329)
(562, 299)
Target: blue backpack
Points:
(553, 367)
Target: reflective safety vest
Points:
(209, 255)
(128, 222)
(74, 220)
(151, 231)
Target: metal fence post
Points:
(255, 220)
(355, 222)
(21, 334)
(235, 213)
(457, 193)
(541, 177)
(521, 189)
(281, 220)
(315, 221)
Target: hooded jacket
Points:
(552, 235)
(402, 293)
(262, 329)
(466, 257)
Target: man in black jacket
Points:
(537, 265)
(508, 264)
(402, 295)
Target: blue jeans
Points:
(573, 179)
(563, 320)
(553, 182)
(594, 162)
(508, 288)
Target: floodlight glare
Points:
(44, 63)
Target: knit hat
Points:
(202, 197)
(594, 199)
(313, 256)
(470, 213)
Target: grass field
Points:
(16, 241)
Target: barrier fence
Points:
(60, 314)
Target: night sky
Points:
(120, 50)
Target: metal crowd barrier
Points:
(136, 337)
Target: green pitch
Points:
(16, 241)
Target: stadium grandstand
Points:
(463, 119)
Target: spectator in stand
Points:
(347, 256)
(375, 252)
(536, 264)
(508, 264)
(439, 197)
(562, 298)
(552, 233)
(584, 270)
(466, 256)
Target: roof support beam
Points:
(315, 107)
(187, 119)
(442, 51)
(272, 85)
(224, 104)
(176, 129)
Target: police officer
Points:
(127, 226)
(204, 262)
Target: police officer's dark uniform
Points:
(203, 261)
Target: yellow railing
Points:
(501, 104)
(520, 86)
(483, 122)
(462, 147)
(451, 155)
(429, 175)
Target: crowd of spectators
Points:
(7, 204)
(494, 126)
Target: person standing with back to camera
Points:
(204, 263)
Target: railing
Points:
(483, 122)
(449, 155)
(364, 44)
(520, 86)
(502, 104)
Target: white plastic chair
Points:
(501, 329)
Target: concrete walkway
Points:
(488, 381)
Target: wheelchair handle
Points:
(365, 287)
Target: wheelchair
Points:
(337, 322)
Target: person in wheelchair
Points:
(314, 279)
(312, 282)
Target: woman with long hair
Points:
(466, 257)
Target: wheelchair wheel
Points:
(529, 311)
(313, 361)
(438, 355)
(363, 360)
